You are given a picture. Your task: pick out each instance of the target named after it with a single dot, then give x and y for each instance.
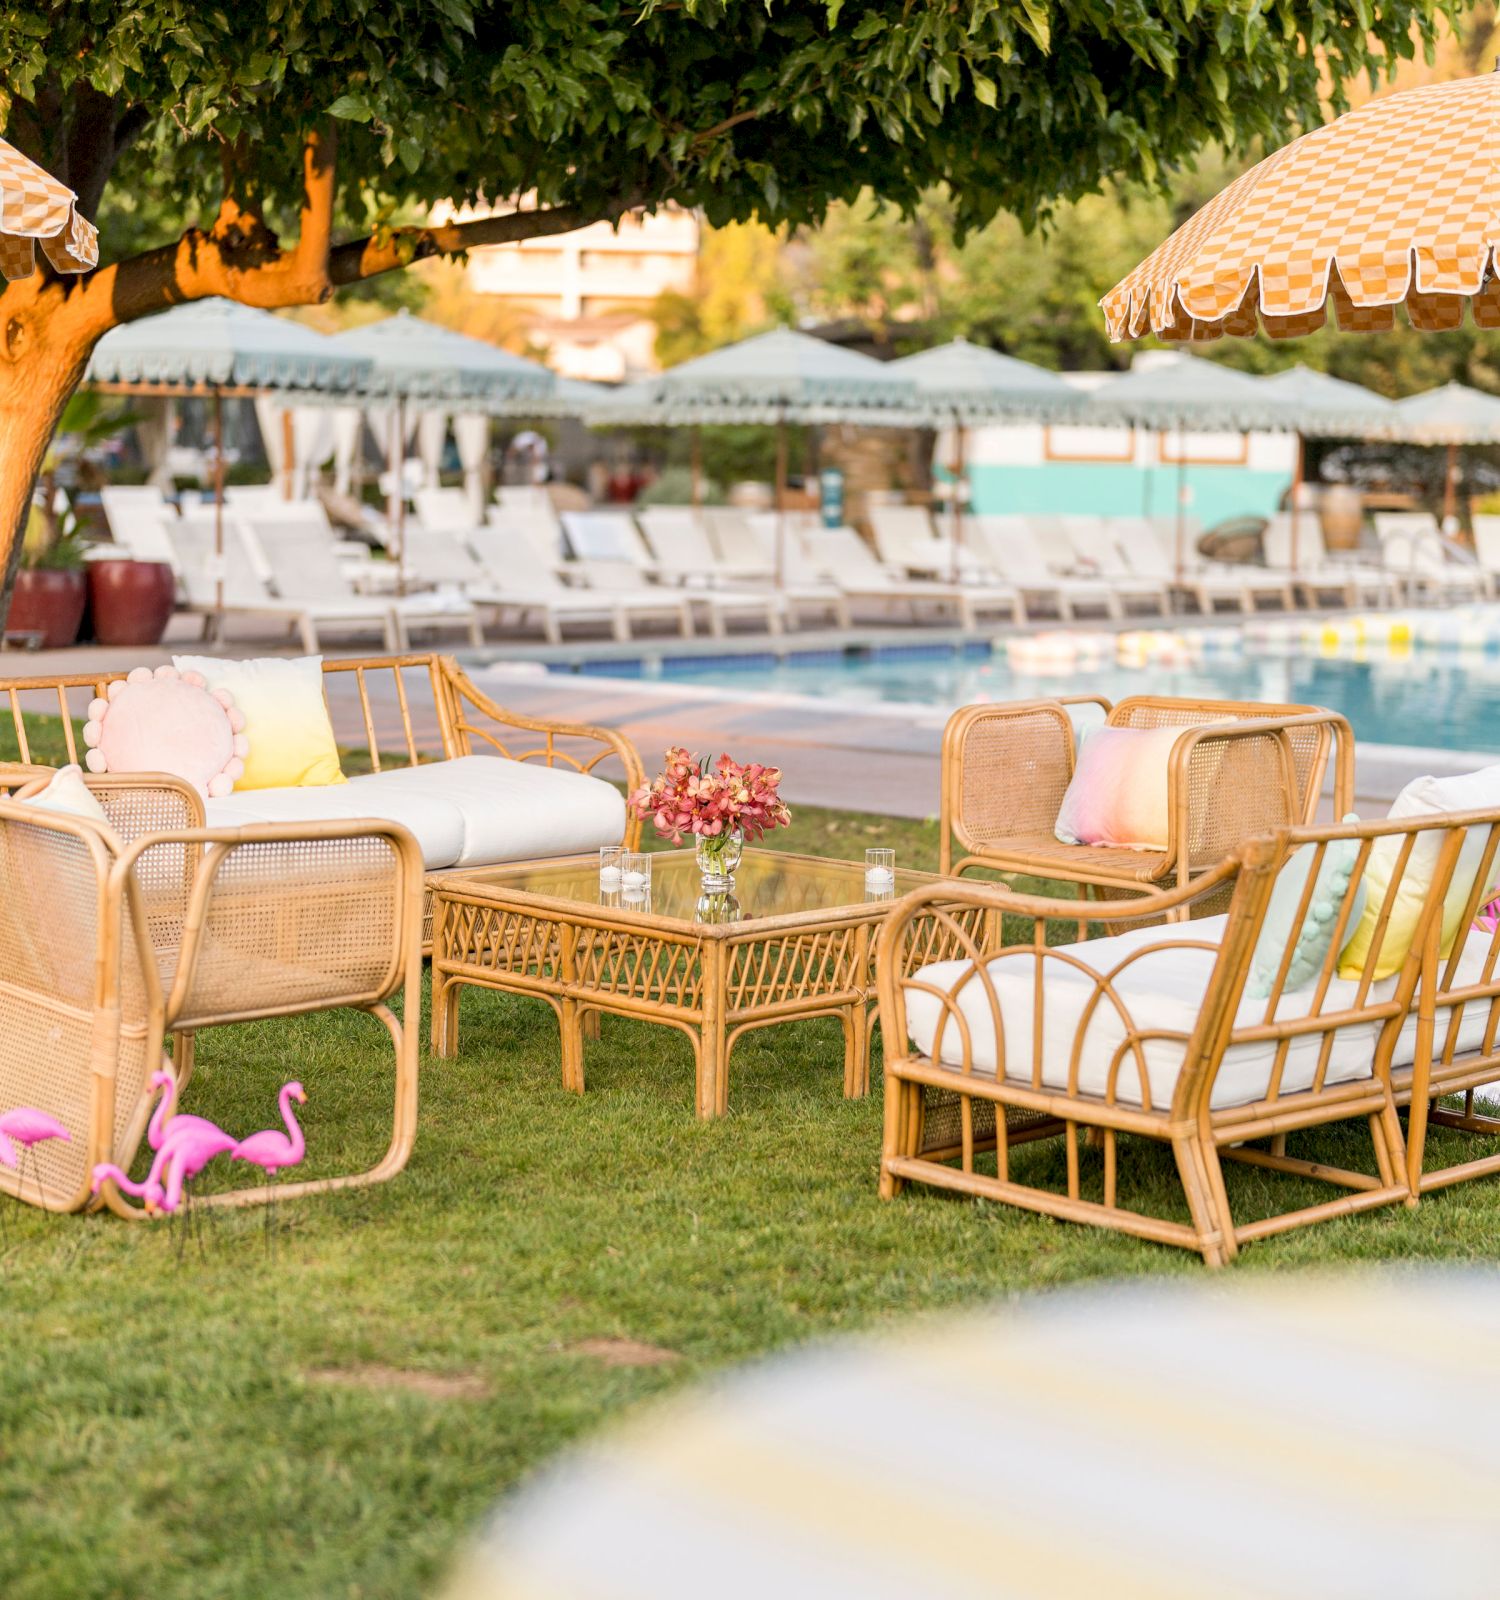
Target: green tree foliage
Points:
(331, 120)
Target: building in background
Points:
(584, 299)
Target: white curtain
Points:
(432, 435)
(471, 429)
(312, 444)
(153, 431)
(268, 414)
(347, 423)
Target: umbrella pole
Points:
(960, 466)
(398, 489)
(697, 439)
(218, 512)
(1297, 470)
(288, 452)
(780, 497)
(1181, 492)
(1450, 495)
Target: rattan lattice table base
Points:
(797, 941)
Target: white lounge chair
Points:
(137, 524)
(1487, 544)
(1092, 541)
(246, 595)
(607, 536)
(740, 550)
(1010, 547)
(305, 567)
(1315, 573)
(1413, 548)
(446, 510)
(1149, 545)
(906, 538)
(840, 556)
(520, 579)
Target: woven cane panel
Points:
(793, 966)
(49, 945)
(640, 966)
(1014, 774)
(942, 1118)
(502, 941)
(295, 922)
(1236, 790)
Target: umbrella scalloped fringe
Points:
(1387, 205)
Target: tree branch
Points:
(724, 126)
(367, 258)
(310, 261)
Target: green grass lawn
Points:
(332, 1421)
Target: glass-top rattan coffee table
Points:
(796, 939)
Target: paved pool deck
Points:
(877, 758)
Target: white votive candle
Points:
(609, 877)
(634, 881)
(879, 878)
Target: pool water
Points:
(1445, 701)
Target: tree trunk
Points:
(40, 367)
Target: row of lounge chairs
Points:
(682, 569)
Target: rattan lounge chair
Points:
(111, 941)
(1152, 1033)
(1007, 767)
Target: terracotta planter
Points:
(48, 603)
(130, 601)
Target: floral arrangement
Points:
(688, 798)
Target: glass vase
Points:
(718, 856)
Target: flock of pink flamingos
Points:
(184, 1145)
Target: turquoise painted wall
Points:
(1125, 491)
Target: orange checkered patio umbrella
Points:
(36, 209)
(1395, 203)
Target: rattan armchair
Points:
(113, 939)
(1239, 769)
(1004, 1047)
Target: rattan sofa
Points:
(1239, 769)
(114, 938)
(1151, 1033)
(431, 733)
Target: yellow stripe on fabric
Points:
(1163, 1410)
(889, 1518)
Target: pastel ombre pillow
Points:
(1422, 797)
(1118, 795)
(168, 721)
(286, 718)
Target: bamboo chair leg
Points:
(183, 1058)
(1205, 1224)
(899, 1139)
(1218, 1193)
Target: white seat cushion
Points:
(437, 824)
(513, 810)
(469, 812)
(1160, 991)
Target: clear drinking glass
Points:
(635, 875)
(610, 856)
(880, 872)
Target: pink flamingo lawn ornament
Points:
(27, 1127)
(184, 1145)
(273, 1150)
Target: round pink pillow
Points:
(168, 721)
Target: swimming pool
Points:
(1427, 698)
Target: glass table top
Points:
(768, 883)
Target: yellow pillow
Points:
(1422, 797)
(286, 718)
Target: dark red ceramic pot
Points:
(130, 601)
(48, 603)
